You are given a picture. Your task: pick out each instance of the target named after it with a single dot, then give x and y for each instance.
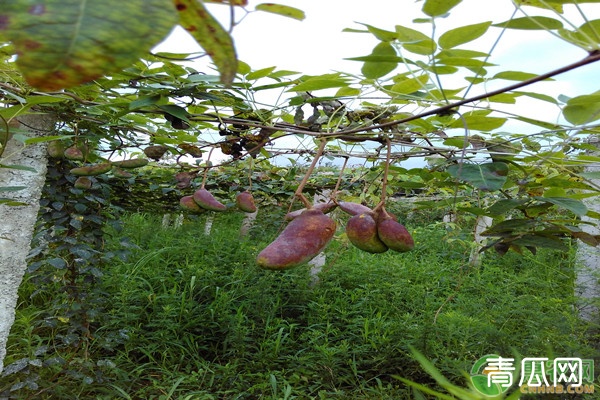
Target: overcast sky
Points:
(317, 45)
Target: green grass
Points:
(190, 316)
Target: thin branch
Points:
(308, 173)
(339, 181)
(250, 174)
(207, 168)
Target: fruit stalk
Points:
(308, 173)
(206, 168)
(385, 176)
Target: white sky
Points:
(317, 45)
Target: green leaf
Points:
(514, 75)
(543, 124)
(280, 74)
(502, 206)
(410, 85)
(549, 5)
(379, 58)
(215, 40)
(19, 167)
(590, 175)
(530, 23)
(33, 100)
(347, 91)
(12, 188)
(279, 9)
(377, 69)
(456, 142)
(384, 36)
(243, 68)
(57, 263)
(435, 8)
(461, 53)
(261, 73)
(582, 109)
(464, 34)
(13, 111)
(490, 176)
(318, 83)
(506, 98)
(541, 241)
(64, 43)
(479, 122)
(176, 111)
(410, 185)
(555, 192)
(465, 62)
(46, 139)
(539, 96)
(144, 102)
(576, 206)
(415, 41)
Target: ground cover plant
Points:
(189, 315)
(116, 303)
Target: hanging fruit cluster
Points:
(80, 153)
(310, 230)
(202, 200)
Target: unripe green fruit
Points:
(56, 149)
(92, 170)
(133, 163)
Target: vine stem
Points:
(308, 173)
(206, 168)
(384, 183)
(250, 174)
(339, 181)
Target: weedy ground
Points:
(190, 316)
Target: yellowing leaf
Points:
(552, 5)
(64, 43)
(286, 11)
(215, 40)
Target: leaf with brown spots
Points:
(215, 40)
(65, 43)
(229, 2)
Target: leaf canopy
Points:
(65, 43)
